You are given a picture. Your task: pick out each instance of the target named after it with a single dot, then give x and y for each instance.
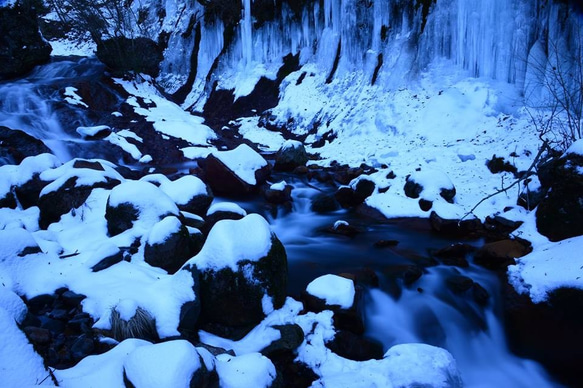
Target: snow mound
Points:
(230, 207)
(102, 173)
(576, 148)
(184, 189)
(168, 364)
(549, 267)
(230, 242)
(333, 289)
(164, 229)
(249, 370)
(434, 367)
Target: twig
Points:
(517, 181)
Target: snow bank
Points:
(230, 207)
(333, 289)
(547, 268)
(231, 241)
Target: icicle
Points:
(246, 33)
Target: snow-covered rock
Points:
(333, 290)
(235, 172)
(169, 245)
(249, 370)
(240, 264)
(190, 193)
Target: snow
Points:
(167, 117)
(575, 148)
(161, 231)
(265, 140)
(549, 267)
(230, 207)
(121, 142)
(91, 131)
(104, 370)
(334, 290)
(12, 304)
(249, 370)
(230, 242)
(168, 364)
(434, 367)
(243, 161)
(432, 181)
(183, 189)
(279, 186)
(73, 98)
(20, 365)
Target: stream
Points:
(425, 311)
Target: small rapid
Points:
(426, 311)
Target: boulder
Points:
(324, 203)
(500, 254)
(243, 274)
(455, 227)
(291, 155)
(15, 145)
(137, 203)
(122, 55)
(560, 214)
(354, 195)
(22, 47)
(168, 245)
(455, 254)
(355, 347)
(189, 193)
(236, 172)
(71, 184)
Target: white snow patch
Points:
(86, 132)
(73, 98)
(184, 189)
(162, 230)
(230, 207)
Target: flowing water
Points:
(425, 311)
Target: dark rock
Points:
(40, 304)
(425, 205)
(174, 251)
(15, 145)
(29, 192)
(217, 216)
(72, 299)
(59, 314)
(80, 323)
(498, 164)
(120, 218)
(459, 284)
(22, 47)
(455, 228)
(69, 196)
(290, 156)
(530, 199)
(123, 55)
(355, 347)
(348, 197)
(500, 254)
(291, 336)
(500, 227)
(108, 261)
(412, 189)
(199, 204)
(411, 274)
(231, 302)
(8, 200)
(37, 335)
(346, 174)
(560, 213)
(480, 294)
(82, 347)
(455, 254)
(324, 203)
(190, 311)
(550, 333)
(343, 229)
(386, 243)
(224, 181)
(278, 197)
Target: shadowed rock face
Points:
(122, 55)
(21, 45)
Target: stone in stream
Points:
(168, 245)
(243, 275)
(500, 254)
(291, 155)
(15, 145)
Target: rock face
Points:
(121, 55)
(560, 214)
(21, 45)
(169, 245)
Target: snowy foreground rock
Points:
(113, 285)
